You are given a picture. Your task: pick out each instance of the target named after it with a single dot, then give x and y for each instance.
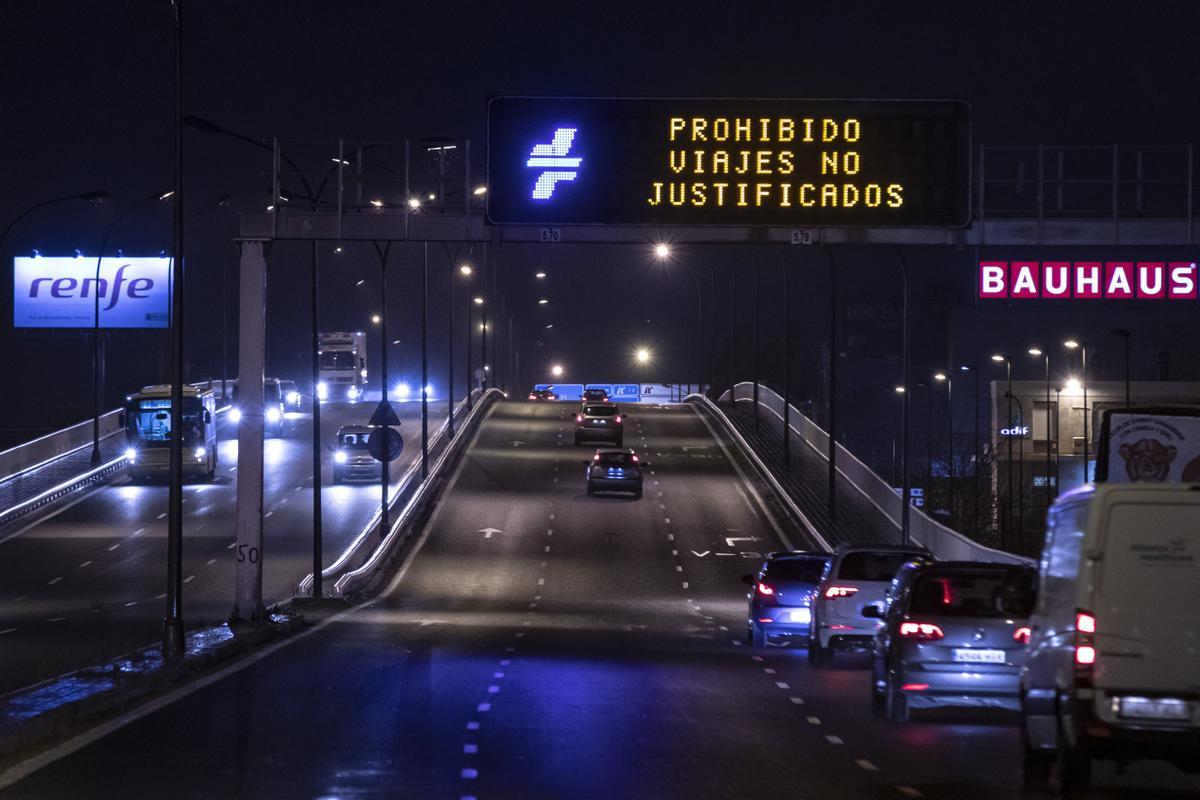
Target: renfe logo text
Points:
(1087, 280)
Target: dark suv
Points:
(599, 422)
(782, 594)
(594, 396)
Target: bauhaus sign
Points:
(63, 292)
(727, 161)
(1087, 280)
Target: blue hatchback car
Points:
(781, 595)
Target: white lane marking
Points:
(722, 628)
(678, 568)
(296, 488)
(544, 563)
(498, 675)
(670, 536)
(504, 662)
(549, 531)
(269, 513)
(662, 507)
(668, 520)
(736, 642)
(470, 749)
(769, 670)
(555, 480)
(131, 603)
(159, 596)
(57, 619)
(867, 765)
(675, 553)
(909, 791)
(54, 581)
(518, 634)
(84, 564)
(162, 516)
(541, 581)
(510, 649)
(813, 720)
(533, 605)
(685, 584)
(834, 739)
(526, 624)
(138, 532)
(546, 549)
(114, 547)
(470, 774)
(756, 658)
(493, 689)
(189, 579)
(551, 516)
(797, 701)
(472, 726)
(7, 630)
(782, 684)
(483, 707)
(537, 597)
(231, 545)
(210, 562)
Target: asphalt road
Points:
(82, 580)
(544, 644)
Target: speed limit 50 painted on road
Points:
(724, 161)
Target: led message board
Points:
(697, 161)
(62, 292)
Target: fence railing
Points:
(946, 543)
(44, 449)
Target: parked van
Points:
(1114, 653)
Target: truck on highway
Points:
(343, 365)
(148, 432)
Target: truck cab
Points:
(343, 366)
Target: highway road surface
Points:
(83, 579)
(541, 643)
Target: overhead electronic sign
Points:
(1087, 280)
(722, 161)
(62, 292)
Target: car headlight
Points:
(363, 373)
(293, 398)
(235, 415)
(131, 454)
(322, 390)
(200, 453)
(340, 456)
(273, 414)
(352, 393)
(402, 390)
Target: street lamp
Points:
(98, 194)
(556, 370)
(662, 251)
(974, 370)
(541, 276)
(1072, 344)
(376, 319)
(1036, 352)
(1004, 359)
(465, 270)
(643, 355)
(478, 301)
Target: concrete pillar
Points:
(248, 554)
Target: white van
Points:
(1114, 653)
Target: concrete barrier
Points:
(44, 449)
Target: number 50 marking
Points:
(246, 552)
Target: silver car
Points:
(955, 634)
(351, 459)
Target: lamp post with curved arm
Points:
(98, 194)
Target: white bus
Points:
(148, 433)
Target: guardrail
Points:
(946, 543)
(41, 451)
(407, 490)
(66, 487)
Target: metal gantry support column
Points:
(252, 327)
(833, 388)
(317, 588)
(424, 364)
(385, 466)
(906, 481)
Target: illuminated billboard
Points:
(62, 292)
(738, 162)
(1087, 280)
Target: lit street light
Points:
(465, 270)
(662, 251)
(556, 370)
(1072, 344)
(543, 302)
(643, 355)
(540, 276)
(478, 301)
(376, 319)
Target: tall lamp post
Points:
(1035, 352)
(942, 377)
(974, 370)
(1072, 344)
(663, 253)
(96, 360)
(1004, 359)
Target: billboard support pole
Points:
(317, 587)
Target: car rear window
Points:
(871, 566)
(1002, 593)
(614, 459)
(599, 411)
(806, 570)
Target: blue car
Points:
(781, 595)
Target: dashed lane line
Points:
(867, 765)
(54, 581)
(84, 564)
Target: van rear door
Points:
(1147, 595)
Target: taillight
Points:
(617, 419)
(596, 457)
(766, 589)
(1021, 635)
(635, 458)
(921, 631)
(533, 397)
(1085, 647)
(840, 591)
(579, 417)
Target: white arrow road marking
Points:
(517, 444)
(487, 532)
(729, 540)
(701, 555)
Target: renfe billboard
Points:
(62, 292)
(727, 161)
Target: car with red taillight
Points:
(857, 575)
(594, 395)
(600, 422)
(612, 470)
(781, 595)
(955, 634)
(543, 395)
(1114, 653)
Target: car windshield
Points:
(871, 566)
(599, 411)
(337, 359)
(803, 570)
(614, 459)
(353, 441)
(1002, 593)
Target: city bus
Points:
(148, 433)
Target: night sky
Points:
(87, 91)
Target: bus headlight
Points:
(273, 415)
(131, 455)
(340, 456)
(352, 393)
(293, 398)
(200, 453)
(322, 390)
(235, 415)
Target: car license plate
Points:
(979, 656)
(801, 615)
(1168, 708)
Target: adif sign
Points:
(62, 292)
(1087, 280)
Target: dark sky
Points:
(86, 92)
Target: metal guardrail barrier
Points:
(66, 487)
(946, 543)
(39, 452)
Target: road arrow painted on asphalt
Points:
(729, 540)
(701, 555)
(518, 444)
(487, 532)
